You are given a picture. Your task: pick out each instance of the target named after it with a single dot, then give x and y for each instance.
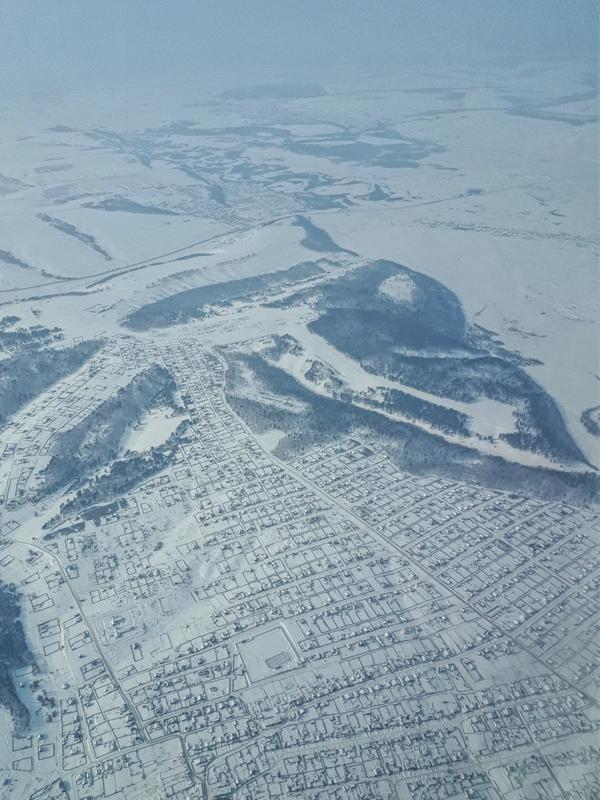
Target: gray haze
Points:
(74, 43)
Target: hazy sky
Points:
(64, 43)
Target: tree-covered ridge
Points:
(416, 333)
(95, 442)
(14, 654)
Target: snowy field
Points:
(472, 186)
